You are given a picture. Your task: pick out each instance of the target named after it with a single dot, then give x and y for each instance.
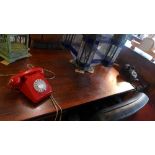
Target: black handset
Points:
(131, 76)
(130, 73)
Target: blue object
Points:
(89, 50)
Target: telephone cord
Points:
(30, 66)
(56, 108)
(6, 74)
(54, 102)
(46, 70)
(53, 99)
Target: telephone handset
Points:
(130, 73)
(32, 83)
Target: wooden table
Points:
(70, 89)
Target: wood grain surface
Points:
(70, 89)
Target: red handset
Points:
(32, 83)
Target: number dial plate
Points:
(40, 85)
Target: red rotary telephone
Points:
(32, 83)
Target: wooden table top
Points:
(70, 89)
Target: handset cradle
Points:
(32, 83)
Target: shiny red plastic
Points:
(24, 81)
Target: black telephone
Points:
(131, 76)
(130, 73)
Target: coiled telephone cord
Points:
(54, 102)
(30, 66)
(46, 70)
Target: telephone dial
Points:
(32, 83)
(130, 72)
